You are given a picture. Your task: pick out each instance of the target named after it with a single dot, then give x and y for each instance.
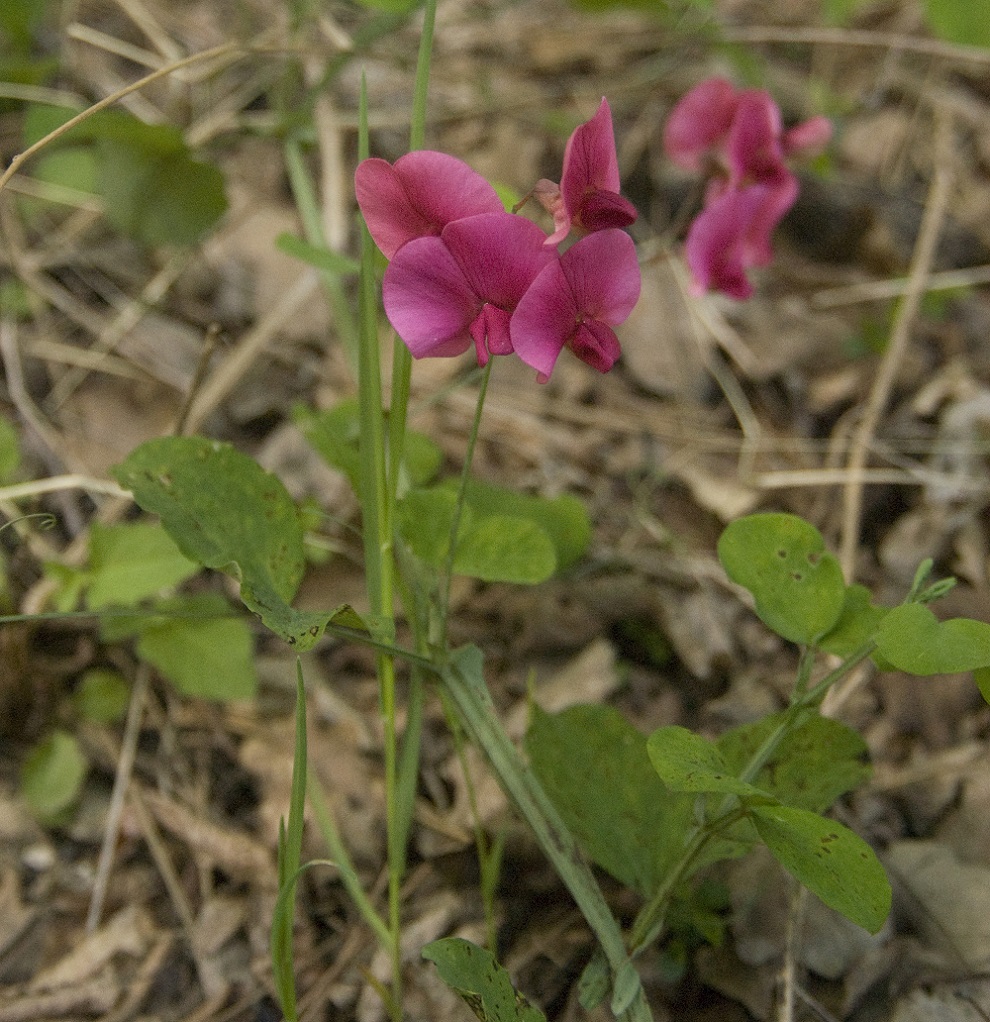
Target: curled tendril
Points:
(48, 520)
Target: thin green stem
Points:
(464, 685)
(455, 525)
(378, 555)
(649, 921)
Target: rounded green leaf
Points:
(52, 775)
(911, 638)
(781, 559)
(829, 859)
(131, 562)
(687, 762)
(102, 695)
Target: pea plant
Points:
(464, 274)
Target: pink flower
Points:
(443, 293)
(418, 196)
(731, 234)
(588, 195)
(575, 301)
(739, 138)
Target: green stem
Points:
(650, 920)
(455, 524)
(465, 687)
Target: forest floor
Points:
(853, 389)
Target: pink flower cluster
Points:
(463, 271)
(739, 140)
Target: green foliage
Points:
(205, 653)
(334, 435)
(484, 985)
(912, 639)
(781, 559)
(101, 696)
(959, 21)
(132, 562)
(10, 451)
(829, 859)
(52, 776)
(19, 20)
(687, 762)
(316, 255)
(153, 189)
(492, 547)
(810, 766)
(857, 624)
(593, 765)
(290, 838)
(391, 6)
(225, 512)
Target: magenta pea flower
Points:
(732, 234)
(588, 194)
(575, 301)
(418, 195)
(441, 293)
(738, 138)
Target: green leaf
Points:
(982, 678)
(334, 434)
(159, 198)
(52, 776)
(482, 983)
(225, 512)
(810, 768)
(19, 19)
(564, 519)
(10, 450)
(829, 859)
(131, 562)
(315, 255)
(686, 762)
(959, 21)
(911, 638)
(781, 560)
(491, 547)
(208, 657)
(102, 696)
(594, 766)
(858, 623)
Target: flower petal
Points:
(544, 319)
(601, 210)
(596, 345)
(590, 160)
(699, 122)
(602, 272)
(733, 233)
(499, 255)
(428, 299)
(418, 195)
(808, 138)
(753, 147)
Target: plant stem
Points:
(464, 684)
(649, 921)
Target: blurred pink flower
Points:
(418, 195)
(588, 194)
(739, 139)
(443, 293)
(575, 301)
